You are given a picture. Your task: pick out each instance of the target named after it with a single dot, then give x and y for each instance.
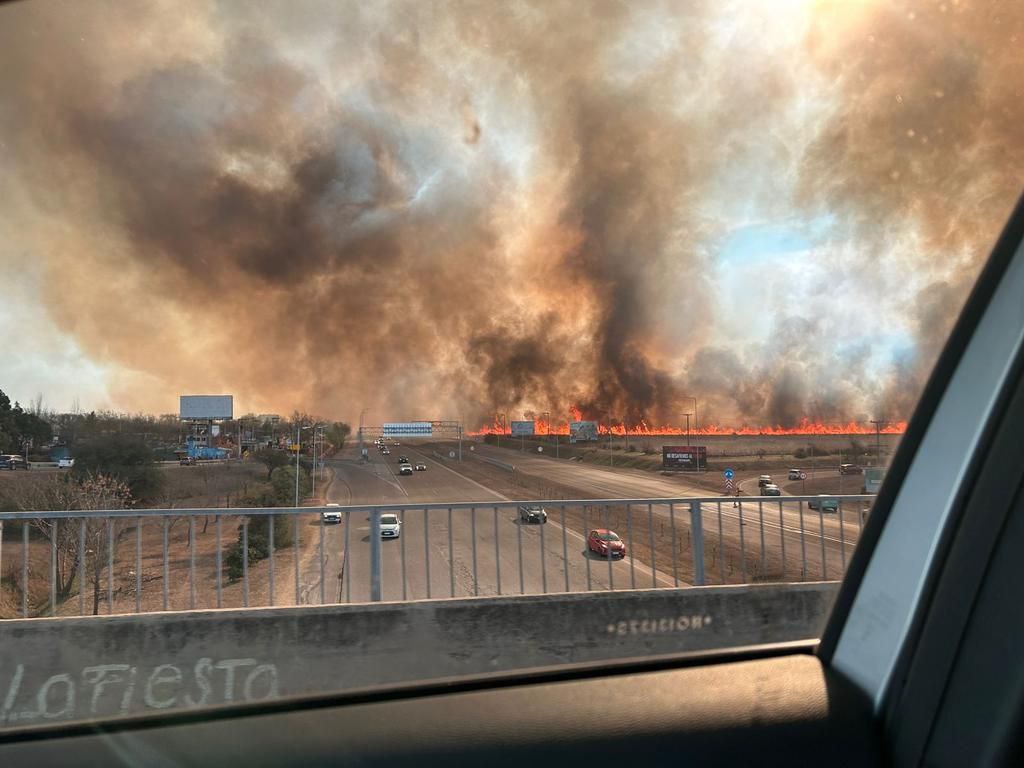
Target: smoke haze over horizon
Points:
(446, 210)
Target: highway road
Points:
(814, 544)
(435, 555)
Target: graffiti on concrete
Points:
(103, 690)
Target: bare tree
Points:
(102, 536)
(97, 492)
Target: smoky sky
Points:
(440, 210)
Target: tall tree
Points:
(124, 458)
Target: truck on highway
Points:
(872, 479)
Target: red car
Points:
(604, 543)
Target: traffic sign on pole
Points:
(729, 474)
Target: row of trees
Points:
(20, 428)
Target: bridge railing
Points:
(82, 562)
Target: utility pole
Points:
(688, 446)
(611, 462)
(298, 450)
(878, 441)
(460, 441)
(362, 413)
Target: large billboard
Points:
(206, 407)
(408, 429)
(523, 428)
(685, 457)
(582, 431)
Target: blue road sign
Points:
(728, 474)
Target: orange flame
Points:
(805, 427)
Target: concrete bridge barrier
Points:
(90, 667)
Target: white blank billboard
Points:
(206, 407)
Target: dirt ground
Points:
(191, 573)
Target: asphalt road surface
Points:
(435, 555)
(814, 543)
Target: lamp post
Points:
(298, 450)
(362, 414)
(878, 441)
(696, 424)
(312, 474)
(500, 418)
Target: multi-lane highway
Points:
(485, 550)
(435, 556)
(813, 544)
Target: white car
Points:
(66, 463)
(331, 517)
(405, 469)
(794, 474)
(390, 526)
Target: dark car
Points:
(421, 467)
(532, 513)
(13, 462)
(188, 461)
(849, 469)
(771, 490)
(403, 459)
(606, 543)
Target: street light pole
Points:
(611, 462)
(878, 441)
(362, 413)
(312, 474)
(688, 446)
(298, 452)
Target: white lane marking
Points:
(397, 484)
(438, 463)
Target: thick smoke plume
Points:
(447, 210)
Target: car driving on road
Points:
(405, 469)
(403, 459)
(764, 480)
(420, 467)
(390, 526)
(13, 462)
(824, 504)
(606, 543)
(771, 490)
(329, 516)
(532, 513)
(849, 469)
(794, 474)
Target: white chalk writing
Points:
(110, 689)
(659, 626)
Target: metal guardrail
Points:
(57, 560)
